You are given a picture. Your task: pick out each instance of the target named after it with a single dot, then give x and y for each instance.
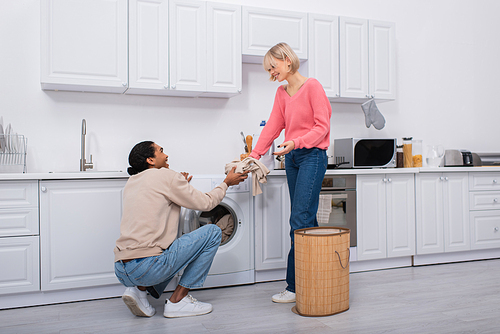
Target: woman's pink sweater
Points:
(304, 116)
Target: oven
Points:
(337, 203)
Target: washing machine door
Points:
(188, 221)
(222, 216)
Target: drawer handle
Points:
(495, 200)
(43, 189)
(494, 181)
(496, 229)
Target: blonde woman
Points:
(302, 109)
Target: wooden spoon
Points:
(249, 143)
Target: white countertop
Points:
(366, 171)
(276, 172)
(64, 175)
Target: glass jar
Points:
(417, 153)
(399, 156)
(407, 152)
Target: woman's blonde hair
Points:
(281, 51)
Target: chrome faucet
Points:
(83, 163)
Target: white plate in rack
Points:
(2, 137)
(8, 131)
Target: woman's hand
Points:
(186, 175)
(288, 146)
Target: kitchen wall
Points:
(448, 67)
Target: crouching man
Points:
(148, 253)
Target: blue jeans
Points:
(195, 251)
(305, 170)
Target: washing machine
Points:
(234, 262)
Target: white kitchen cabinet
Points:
(382, 60)
(224, 59)
(20, 263)
(367, 60)
(184, 48)
(385, 216)
(79, 225)
(19, 237)
(323, 62)
(148, 47)
(188, 62)
(442, 201)
(263, 28)
(484, 200)
(18, 208)
(84, 45)
(272, 227)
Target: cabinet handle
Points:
(494, 181)
(446, 178)
(124, 84)
(495, 200)
(43, 189)
(441, 178)
(239, 91)
(173, 87)
(384, 179)
(166, 86)
(390, 180)
(496, 229)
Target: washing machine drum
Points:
(222, 216)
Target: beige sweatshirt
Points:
(151, 207)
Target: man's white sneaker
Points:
(186, 307)
(284, 296)
(137, 302)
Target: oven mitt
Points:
(373, 115)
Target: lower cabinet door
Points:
(485, 229)
(79, 225)
(20, 264)
(272, 227)
(371, 216)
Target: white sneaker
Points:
(186, 307)
(284, 296)
(137, 302)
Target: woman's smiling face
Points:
(279, 69)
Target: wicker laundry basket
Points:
(321, 271)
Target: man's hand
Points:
(233, 178)
(186, 175)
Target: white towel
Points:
(324, 209)
(258, 169)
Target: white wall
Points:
(448, 63)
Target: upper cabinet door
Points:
(382, 66)
(188, 63)
(264, 28)
(224, 68)
(324, 52)
(84, 45)
(354, 58)
(148, 47)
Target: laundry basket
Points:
(321, 271)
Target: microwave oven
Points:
(365, 152)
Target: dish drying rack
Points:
(13, 150)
